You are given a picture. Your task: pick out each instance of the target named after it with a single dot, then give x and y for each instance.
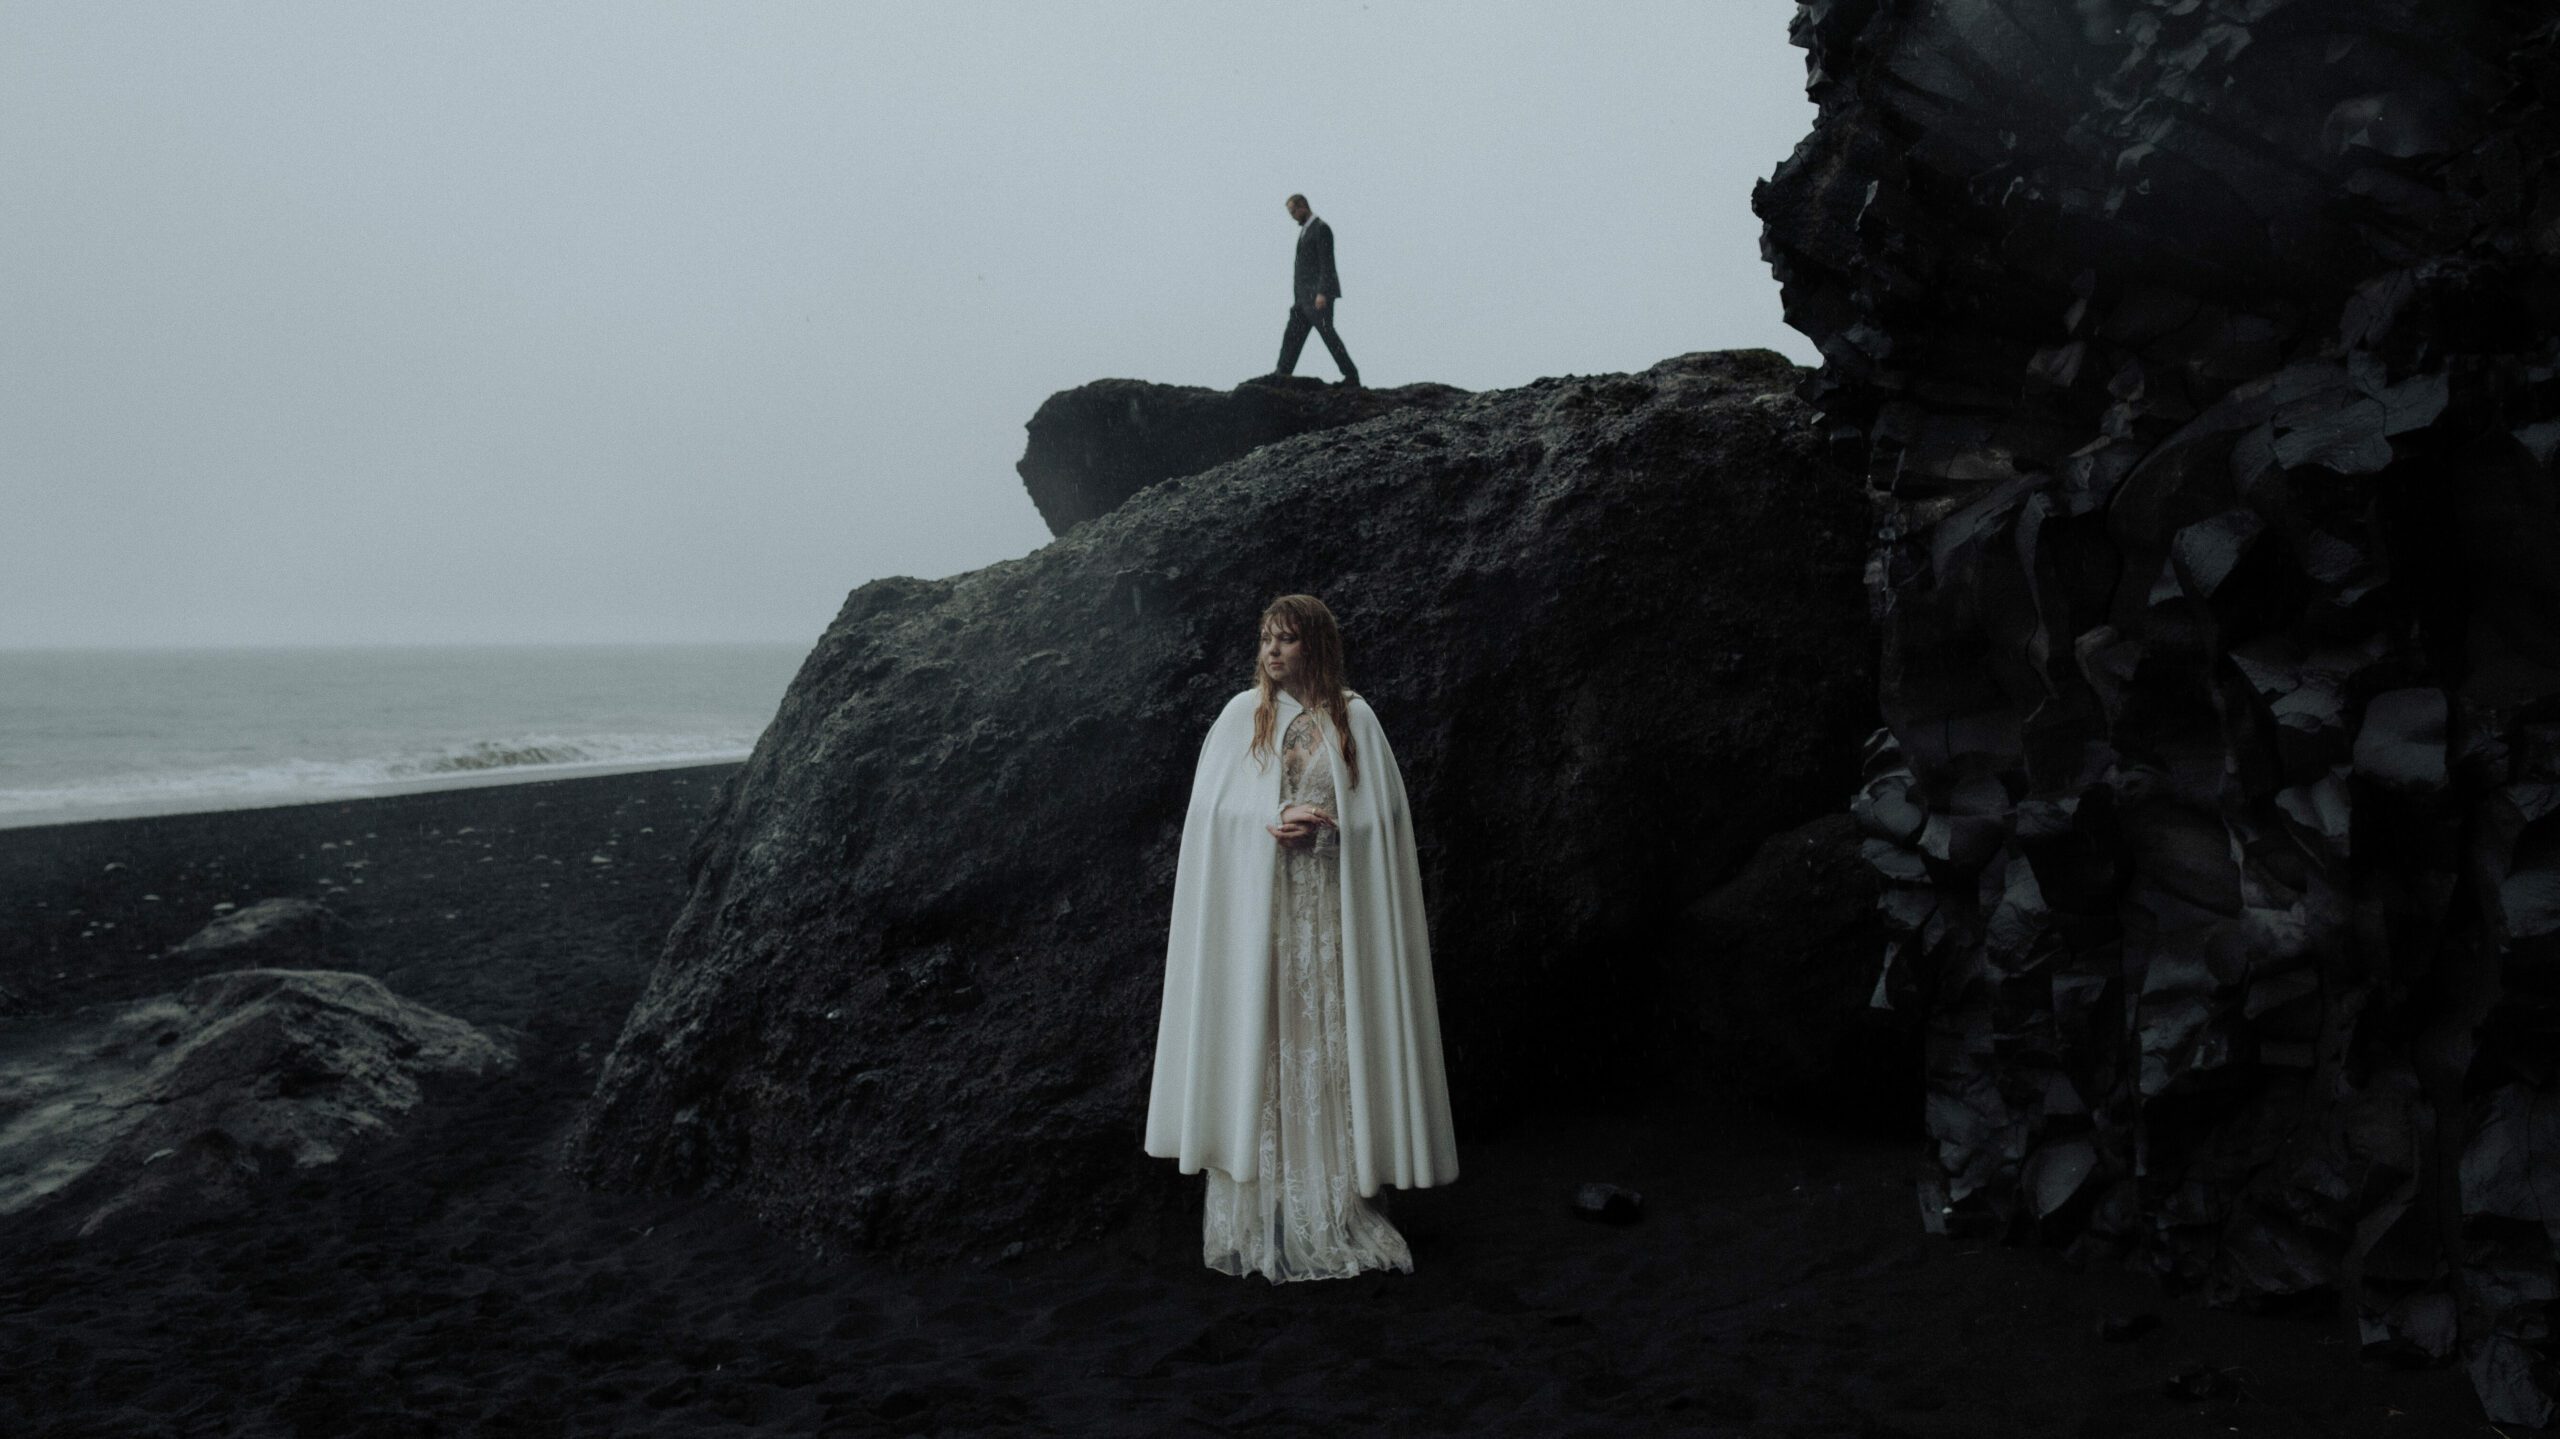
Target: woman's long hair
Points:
(1320, 651)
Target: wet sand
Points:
(451, 1282)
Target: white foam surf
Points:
(511, 760)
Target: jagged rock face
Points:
(175, 1106)
(1613, 631)
(2202, 360)
(1096, 445)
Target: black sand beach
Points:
(448, 1282)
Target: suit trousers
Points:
(1295, 339)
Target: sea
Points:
(98, 734)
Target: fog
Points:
(457, 323)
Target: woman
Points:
(1298, 1054)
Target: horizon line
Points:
(144, 647)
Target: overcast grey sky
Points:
(331, 323)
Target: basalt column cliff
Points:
(2201, 359)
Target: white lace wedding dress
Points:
(1304, 1217)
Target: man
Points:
(1316, 289)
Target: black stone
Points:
(2200, 1382)
(2120, 1328)
(912, 1001)
(1094, 446)
(1607, 1204)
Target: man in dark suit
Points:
(1316, 289)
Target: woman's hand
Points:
(1299, 825)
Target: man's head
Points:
(1298, 210)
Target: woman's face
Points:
(1282, 656)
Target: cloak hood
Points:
(1205, 1104)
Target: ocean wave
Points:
(483, 755)
(293, 781)
(488, 755)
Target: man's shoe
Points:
(1352, 382)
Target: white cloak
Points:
(1205, 1106)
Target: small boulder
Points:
(175, 1105)
(1607, 1204)
(272, 932)
(2199, 1382)
(2124, 1328)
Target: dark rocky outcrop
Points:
(1611, 625)
(176, 1106)
(1096, 445)
(2205, 361)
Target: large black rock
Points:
(2206, 359)
(1774, 972)
(1612, 626)
(1096, 445)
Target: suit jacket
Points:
(1315, 274)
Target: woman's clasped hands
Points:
(1299, 826)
